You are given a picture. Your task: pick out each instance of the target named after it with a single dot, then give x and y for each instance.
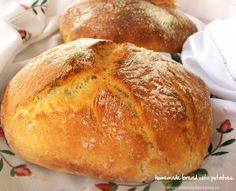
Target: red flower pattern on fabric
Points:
(22, 171)
(36, 6)
(225, 126)
(25, 36)
(25, 6)
(104, 187)
(1, 133)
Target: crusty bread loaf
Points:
(106, 110)
(152, 24)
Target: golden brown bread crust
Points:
(152, 24)
(106, 110)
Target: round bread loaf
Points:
(110, 111)
(152, 24)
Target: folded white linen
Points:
(211, 55)
(23, 23)
(208, 10)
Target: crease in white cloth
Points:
(210, 54)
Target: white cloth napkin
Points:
(211, 55)
(208, 10)
(21, 24)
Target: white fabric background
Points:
(208, 10)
